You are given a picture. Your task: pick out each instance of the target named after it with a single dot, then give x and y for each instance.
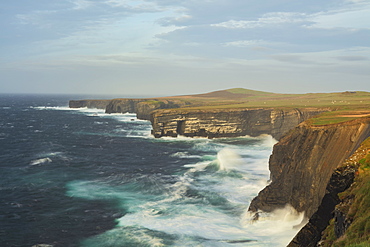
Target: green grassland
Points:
(341, 106)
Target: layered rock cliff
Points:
(128, 105)
(228, 122)
(169, 117)
(303, 162)
(99, 104)
(142, 107)
(344, 211)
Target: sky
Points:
(173, 47)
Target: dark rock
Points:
(341, 218)
(99, 104)
(303, 161)
(311, 233)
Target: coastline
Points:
(313, 141)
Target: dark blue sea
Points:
(80, 177)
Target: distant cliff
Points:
(213, 123)
(303, 161)
(142, 107)
(170, 117)
(99, 104)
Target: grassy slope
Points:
(343, 106)
(358, 233)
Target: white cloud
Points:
(245, 43)
(268, 19)
(357, 1)
(134, 5)
(81, 4)
(358, 18)
(352, 16)
(218, 40)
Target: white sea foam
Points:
(138, 128)
(85, 110)
(62, 108)
(206, 205)
(228, 159)
(48, 157)
(184, 155)
(282, 224)
(40, 161)
(130, 237)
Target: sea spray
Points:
(282, 224)
(204, 206)
(40, 161)
(228, 159)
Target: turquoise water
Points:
(80, 177)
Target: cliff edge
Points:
(213, 123)
(303, 162)
(343, 214)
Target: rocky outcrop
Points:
(126, 105)
(99, 104)
(213, 123)
(142, 107)
(303, 161)
(311, 233)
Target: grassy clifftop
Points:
(342, 106)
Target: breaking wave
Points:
(206, 205)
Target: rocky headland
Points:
(89, 103)
(343, 214)
(303, 161)
(316, 133)
(213, 123)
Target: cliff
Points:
(342, 206)
(305, 164)
(303, 161)
(142, 107)
(99, 104)
(350, 225)
(229, 113)
(213, 123)
(171, 117)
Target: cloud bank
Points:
(169, 47)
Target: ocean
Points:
(80, 177)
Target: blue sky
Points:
(172, 47)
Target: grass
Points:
(340, 106)
(247, 91)
(340, 115)
(358, 233)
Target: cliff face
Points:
(228, 122)
(347, 209)
(170, 118)
(303, 161)
(99, 104)
(142, 107)
(126, 105)
(310, 234)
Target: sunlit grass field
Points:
(340, 107)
